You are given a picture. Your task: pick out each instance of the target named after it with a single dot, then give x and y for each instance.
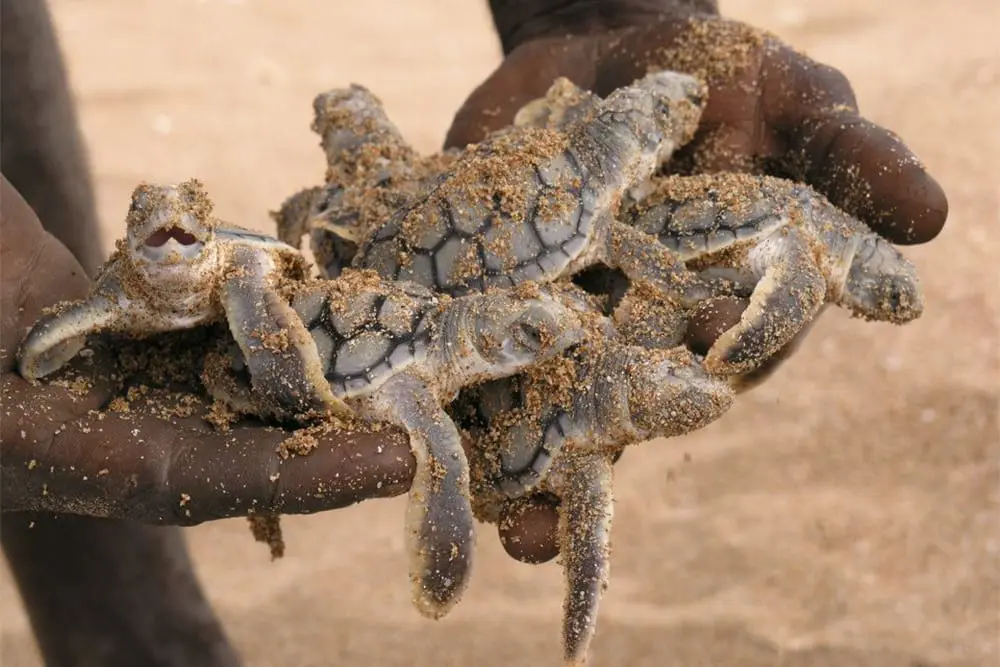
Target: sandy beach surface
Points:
(845, 514)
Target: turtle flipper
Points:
(281, 357)
(585, 512)
(641, 257)
(439, 520)
(58, 337)
(563, 105)
(292, 218)
(352, 119)
(788, 296)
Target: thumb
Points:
(36, 271)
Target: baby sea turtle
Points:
(784, 245)
(371, 172)
(539, 204)
(179, 267)
(397, 352)
(559, 427)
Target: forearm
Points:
(43, 153)
(518, 21)
(111, 593)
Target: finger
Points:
(714, 317)
(147, 464)
(528, 528)
(36, 271)
(861, 167)
(523, 76)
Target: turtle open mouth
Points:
(170, 241)
(164, 234)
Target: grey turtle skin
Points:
(178, 267)
(537, 204)
(371, 172)
(563, 105)
(534, 435)
(784, 245)
(397, 352)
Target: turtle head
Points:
(169, 228)
(501, 333)
(671, 394)
(881, 284)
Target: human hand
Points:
(60, 455)
(770, 109)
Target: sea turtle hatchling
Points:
(558, 428)
(786, 247)
(179, 267)
(372, 170)
(397, 352)
(539, 204)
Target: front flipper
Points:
(585, 513)
(281, 356)
(788, 296)
(58, 337)
(641, 257)
(439, 520)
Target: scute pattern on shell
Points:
(364, 336)
(703, 227)
(461, 246)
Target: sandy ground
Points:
(844, 514)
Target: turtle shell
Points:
(366, 331)
(516, 208)
(702, 215)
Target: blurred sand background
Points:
(845, 514)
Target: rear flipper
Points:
(58, 337)
(564, 105)
(292, 219)
(788, 296)
(439, 520)
(352, 121)
(281, 356)
(585, 544)
(641, 257)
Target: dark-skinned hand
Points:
(60, 455)
(770, 109)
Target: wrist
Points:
(520, 21)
